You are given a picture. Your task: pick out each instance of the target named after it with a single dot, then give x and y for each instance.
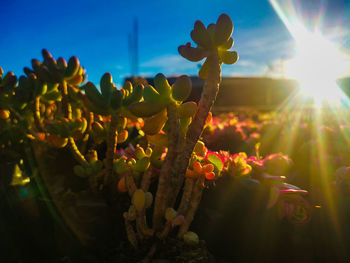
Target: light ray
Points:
(316, 65)
(317, 62)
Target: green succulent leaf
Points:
(228, 57)
(216, 160)
(72, 68)
(200, 35)
(135, 96)
(106, 86)
(191, 53)
(161, 84)
(151, 95)
(203, 72)
(145, 108)
(94, 95)
(223, 29)
(116, 99)
(182, 88)
(227, 45)
(52, 96)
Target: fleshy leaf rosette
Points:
(213, 38)
(291, 205)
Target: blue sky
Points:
(97, 32)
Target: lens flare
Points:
(317, 63)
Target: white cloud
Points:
(119, 67)
(246, 63)
(162, 61)
(167, 64)
(265, 42)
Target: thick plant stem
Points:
(67, 110)
(142, 225)
(210, 90)
(130, 232)
(186, 196)
(111, 146)
(36, 114)
(165, 231)
(163, 181)
(195, 200)
(146, 180)
(130, 183)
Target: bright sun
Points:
(318, 62)
(317, 65)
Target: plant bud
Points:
(170, 214)
(191, 238)
(178, 220)
(122, 186)
(139, 200)
(199, 148)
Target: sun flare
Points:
(317, 64)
